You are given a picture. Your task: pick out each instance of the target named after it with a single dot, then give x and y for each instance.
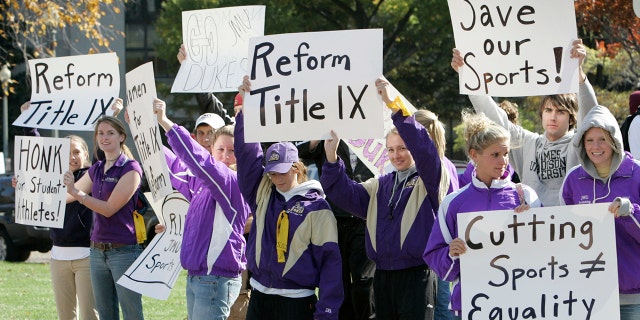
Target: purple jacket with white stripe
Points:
(213, 241)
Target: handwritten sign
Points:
(305, 84)
(156, 270)
(542, 263)
(71, 93)
(141, 90)
(217, 41)
(373, 152)
(515, 47)
(39, 166)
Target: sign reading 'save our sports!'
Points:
(305, 84)
(71, 93)
(545, 263)
(515, 47)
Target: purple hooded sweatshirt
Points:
(584, 185)
(213, 241)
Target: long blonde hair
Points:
(429, 121)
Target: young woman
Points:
(607, 174)
(488, 147)
(213, 245)
(293, 245)
(399, 208)
(113, 184)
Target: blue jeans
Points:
(211, 297)
(443, 296)
(106, 268)
(629, 311)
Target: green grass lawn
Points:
(26, 293)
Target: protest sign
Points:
(39, 167)
(305, 84)
(71, 93)
(544, 262)
(141, 91)
(373, 152)
(515, 47)
(217, 41)
(156, 270)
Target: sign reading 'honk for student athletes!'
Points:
(544, 263)
(515, 47)
(71, 93)
(305, 84)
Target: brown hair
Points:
(511, 109)
(116, 124)
(567, 102)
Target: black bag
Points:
(624, 128)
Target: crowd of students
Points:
(351, 245)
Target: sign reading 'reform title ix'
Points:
(71, 93)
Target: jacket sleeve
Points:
(215, 175)
(179, 175)
(424, 152)
(207, 101)
(586, 100)
(326, 255)
(342, 191)
(436, 254)
(486, 105)
(249, 162)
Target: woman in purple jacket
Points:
(400, 210)
(488, 147)
(608, 174)
(293, 243)
(213, 245)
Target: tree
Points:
(612, 27)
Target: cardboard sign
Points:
(305, 84)
(217, 41)
(71, 93)
(555, 262)
(141, 91)
(39, 167)
(156, 270)
(515, 47)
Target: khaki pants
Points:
(239, 308)
(71, 283)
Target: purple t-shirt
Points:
(118, 228)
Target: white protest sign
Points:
(373, 152)
(217, 41)
(156, 270)
(515, 47)
(544, 262)
(141, 90)
(71, 93)
(39, 165)
(305, 84)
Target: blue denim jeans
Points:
(443, 297)
(211, 297)
(106, 268)
(629, 311)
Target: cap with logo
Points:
(280, 157)
(210, 119)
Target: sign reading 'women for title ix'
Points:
(544, 263)
(515, 47)
(39, 166)
(71, 93)
(305, 84)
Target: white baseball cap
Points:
(211, 119)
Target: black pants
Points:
(273, 307)
(357, 270)
(405, 294)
